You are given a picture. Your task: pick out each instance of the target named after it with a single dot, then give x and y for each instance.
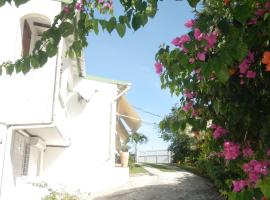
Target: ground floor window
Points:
(20, 154)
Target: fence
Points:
(154, 156)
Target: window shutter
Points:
(26, 40)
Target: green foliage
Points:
(216, 88)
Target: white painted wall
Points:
(25, 98)
(92, 132)
(88, 163)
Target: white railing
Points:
(154, 156)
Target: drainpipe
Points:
(111, 116)
(10, 127)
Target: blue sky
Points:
(132, 59)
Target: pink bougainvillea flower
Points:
(251, 74)
(244, 66)
(267, 5)
(187, 107)
(211, 39)
(247, 167)
(253, 177)
(184, 39)
(247, 152)
(250, 57)
(219, 132)
(201, 56)
(239, 185)
(268, 152)
(194, 113)
(78, 6)
(190, 23)
(252, 21)
(158, 67)
(260, 12)
(180, 41)
(176, 41)
(198, 34)
(189, 94)
(66, 9)
(231, 150)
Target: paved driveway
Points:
(180, 185)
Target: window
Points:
(20, 154)
(32, 29)
(26, 40)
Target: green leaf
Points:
(77, 47)
(20, 2)
(144, 19)
(66, 29)
(34, 61)
(266, 15)
(243, 195)
(51, 50)
(217, 107)
(9, 68)
(193, 3)
(242, 13)
(95, 26)
(121, 30)
(240, 51)
(26, 65)
(136, 22)
(2, 2)
(103, 24)
(222, 73)
(224, 26)
(264, 185)
(18, 66)
(111, 24)
(42, 58)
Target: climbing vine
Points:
(220, 71)
(79, 18)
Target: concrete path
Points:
(179, 185)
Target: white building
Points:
(56, 123)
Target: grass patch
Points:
(137, 169)
(161, 167)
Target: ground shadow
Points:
(189, 187)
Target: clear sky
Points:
(132, 59)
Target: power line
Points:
(150, 113)
(138, 119)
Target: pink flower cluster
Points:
(106, 4)
(244, 68)
(247, 152)
(218, 131)
(255, 170)
(190, 23)
(239, 185)
(231, 150)
(260, 12)
(211, 39)
(78, 6)
(189, 94)
(189, 105)
(158, 67)
(181, 41)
